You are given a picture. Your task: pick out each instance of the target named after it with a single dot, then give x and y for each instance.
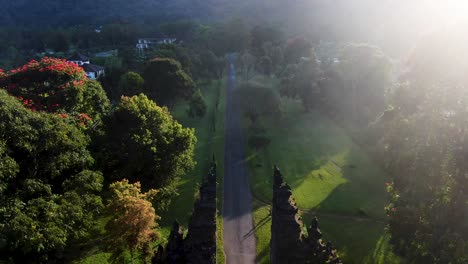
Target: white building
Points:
(146, 43)
(92, 71)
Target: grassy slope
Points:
(330, 176)
(209, 141)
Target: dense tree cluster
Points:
(130, 84)
(197, 105)
(49, 195)
(166, 81)
(50, 184)
(133, 220)
(142, 142)
(247, 98)
(56, 86)
(302, 81)
(423, 145)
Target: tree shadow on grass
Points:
(364, 192)
(353, 216)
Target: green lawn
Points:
(209, 131)
(330, 176)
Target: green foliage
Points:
(197, 105)
(423, 145)
(114, 69)
(143, 142)
(258, 138)
(166, 81)
(256, 100)
(130, 84)
(60, 41)
(184, 30)
(365, 72)
(301, 81)
(259, 141)
(48, 198)
(187, 58)
(212, 65)
(231, 36)
(95, 102)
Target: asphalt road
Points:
(239, 240)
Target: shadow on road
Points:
(260, 224)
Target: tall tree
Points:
(143, 142)
(134, 220)
(424, 147)
(256, 100)
(365, 71)
(48, 197)
(302, 81)
(197, 105)
(166, 81)
(56, 86)
(130, 84)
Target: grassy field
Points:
(209, 131)
(330, 177)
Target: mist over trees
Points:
(98, 162)
(423, 146)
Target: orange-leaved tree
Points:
(56, 86)
(133, 222)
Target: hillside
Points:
(356, 21)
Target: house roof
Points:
(78, 57)
(92, 68)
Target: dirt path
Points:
(239, 240)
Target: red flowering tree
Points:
(56, 86)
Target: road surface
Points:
(239, 240)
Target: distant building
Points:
(146, 43)
(79, 59)
(92, 71)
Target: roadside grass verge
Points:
(210, 139)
